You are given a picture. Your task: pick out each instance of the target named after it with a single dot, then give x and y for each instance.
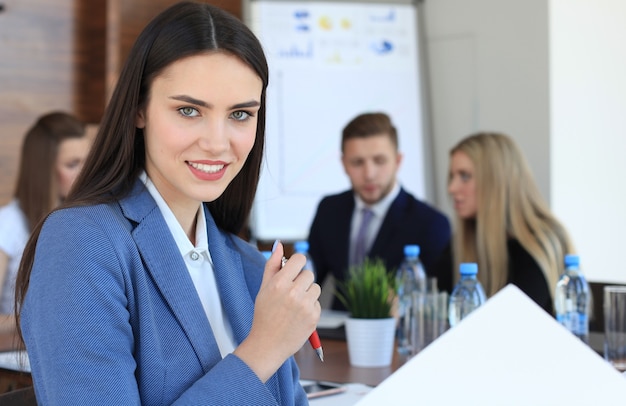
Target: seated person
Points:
(52, 155)
(502, 222)
(371, 160)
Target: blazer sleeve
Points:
(77, 322)
(437, 237)
(329, 235)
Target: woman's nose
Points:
(452, 186)
(214, 137)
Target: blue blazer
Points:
(112, 317)
(408, 221)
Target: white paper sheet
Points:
(15, 361)
(332, 318)
(507, 352)
(354, 392)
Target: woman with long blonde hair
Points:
(502, 222)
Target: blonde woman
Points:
(502, 222)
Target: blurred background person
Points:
(502, 222)
(371, 159)
(53, 152)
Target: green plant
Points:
(369, 291)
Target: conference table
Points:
(336, 366)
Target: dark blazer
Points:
(112, 316)
(524, 272)
(408, 221)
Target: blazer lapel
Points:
(169, 272)
(393, 219)
(229, 274)
(343, 227)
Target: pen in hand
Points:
(314, 339)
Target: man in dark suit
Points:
(395, 218)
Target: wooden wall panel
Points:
(36, 73)
(63, 55)
(90, 59)
(126, 19)
(232, 6)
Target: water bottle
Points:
(302, 247)
(467, 295)
(410, 280)
(571, 299)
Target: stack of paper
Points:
(15, 361)
(507, 352)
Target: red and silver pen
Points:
(314, 339)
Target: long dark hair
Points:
(118, 152)
(37, 189)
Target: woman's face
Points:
(70, 159)
(462, 185)
(199, 126)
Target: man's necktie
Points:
(360, 246)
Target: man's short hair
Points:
(368, 125)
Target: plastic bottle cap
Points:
(301, 246)
(411, 250)
(469, 268)
(572, 260)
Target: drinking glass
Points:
(615, 326)
(430, 318)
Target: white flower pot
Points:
(370, 341)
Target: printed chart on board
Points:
(330, 61)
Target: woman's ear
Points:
(140, 120)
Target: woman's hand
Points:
(286, 313)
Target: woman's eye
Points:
(72, 164)
(240, 115)
(465, 176)
(188, 111)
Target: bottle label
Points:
(576, 322)
(581, 325)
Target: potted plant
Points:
(369, 295)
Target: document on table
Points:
(354, 392)
(332, 318)
(15, 361)
(507, 352)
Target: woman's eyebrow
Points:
(197, 102)
(191, 100)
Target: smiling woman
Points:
(150, 313)
(198, 134)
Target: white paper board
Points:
(507, 352)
